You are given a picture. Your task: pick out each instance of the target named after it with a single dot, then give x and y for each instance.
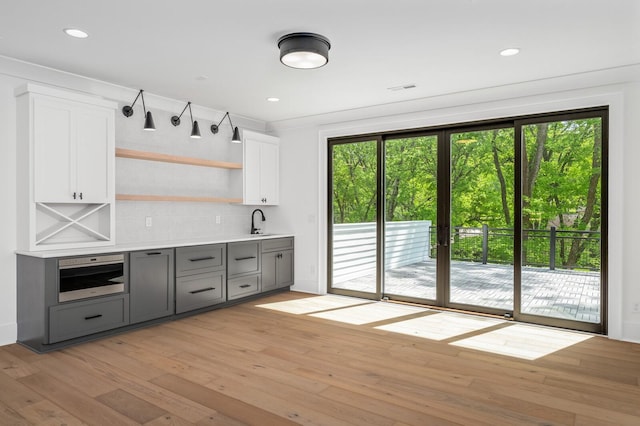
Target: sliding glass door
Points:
(411, 213)
(481, 201)
(505, 217)
(563, 220)
(353, 183)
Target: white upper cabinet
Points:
(261, 169)
(66, 169)
(73, 147)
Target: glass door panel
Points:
(411, 194)
(353, 195)
(481, 240)
(561, 219)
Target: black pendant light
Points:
(127, 110)
(304, 50)
(236, 133)
(195, 128)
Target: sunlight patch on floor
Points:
(314, 304)
(523, 341)
(441, 326)
(369, 313)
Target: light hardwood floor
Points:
(252, 365)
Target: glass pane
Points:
(410, 216)
(561, 216)
(481, 245)
(354, 195)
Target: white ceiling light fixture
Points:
(511, 51)
(304, 50)
(273, 99)
(75, 32)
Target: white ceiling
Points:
(441, 46)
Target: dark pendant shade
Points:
(148, 122)
(195, 131)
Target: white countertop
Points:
(149, 245)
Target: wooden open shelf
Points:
(166, 158)
(141, 197)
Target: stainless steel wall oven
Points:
(85, 277)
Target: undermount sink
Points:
(259, 235)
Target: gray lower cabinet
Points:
(151, 285)
(243, 286)
(277, 263)
(277, 270)
(70, 320)
(243, 269)
(200, 277)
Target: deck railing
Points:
(406, 243)
(552, 248)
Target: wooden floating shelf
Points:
(166, 158)
(140, 197)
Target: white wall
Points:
(8, 211)
(170, 220)
(304, 166)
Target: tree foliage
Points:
(561, 179)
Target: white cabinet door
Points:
(72, 152)
(251, 170)
(54, 156)
(93, 130)
(260, 169)
(269, 173)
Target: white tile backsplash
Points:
(177, 220)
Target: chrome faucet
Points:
(255, 230)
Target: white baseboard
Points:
(310, 286)
(631, 331)
(8, 333)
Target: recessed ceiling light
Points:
(510, 51)
(74, 32)
(272, 99)
(403, 87)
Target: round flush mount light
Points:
(304, 50)
(512, 51)
(75, 32)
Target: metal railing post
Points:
(552, 248)
(485, 243)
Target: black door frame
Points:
(443, 216)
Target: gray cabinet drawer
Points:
(87, 317)
(243, 258)
(277, 244)
(245, 286)
(194, 260)
(199, 291)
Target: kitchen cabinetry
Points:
(66, 168)
(243, 269)
(277, 263)
(70, 320)
(260, 169)
(151, 284)
(155, 286)
(200, 277)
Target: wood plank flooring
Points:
(249, 365)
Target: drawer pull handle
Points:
(245, 285)
(93, 317)
(245, 258)
(198, 259)
(202, 290)
(153, 253)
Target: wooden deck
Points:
(320, 360)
